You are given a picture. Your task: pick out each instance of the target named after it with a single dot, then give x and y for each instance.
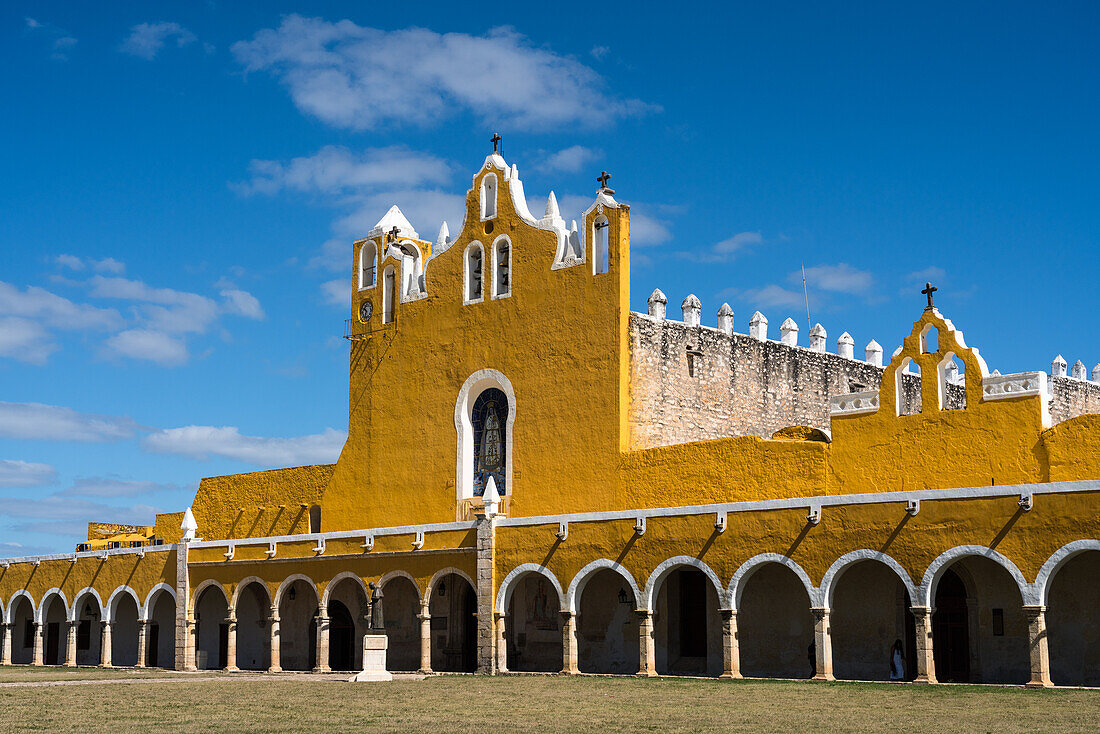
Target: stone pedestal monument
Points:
(375, 643)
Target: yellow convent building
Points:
(538, 479)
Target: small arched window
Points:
(388, 295)
(368, 265)
(489, 196)
(600, 256)
(489, 419)
(474, 273)
(502, 268)
(907, 387)
(952, 380)
(315, 519)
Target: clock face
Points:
(366, 310)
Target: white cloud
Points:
(337, 293)
(25, 340)
(726, 249)
(569, 160)
(202, 442)
(147, 39)
(59, 508)
(242, 303)
(840, 278)
(599, 52)
(35, 421)
(356, 77)
(54, 310)
(61, 43)
(72, 262)
(114, 487)
(766, 297)
(25, 474)
(149, 344)
(106, 265)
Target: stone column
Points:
(231, 642)
(70, 644)
(501, 644)
(190, 646)
(823, 642)
(1037, 645)
(185, 622)
(39, 630)
(925, 660)
(425, 638)
(731, 654)
(647, 647)
(486, 554)
(7, 632)
(143, 636)
(569, 643)
(275, 666)
(105, 654)
(321, 665)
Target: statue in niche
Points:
(377, 622)
(490, 451)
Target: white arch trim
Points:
(507, 587)
(576, 586)
(336, 580)
(754, 564)
(391, 575)
(115, 597)
(147, 613)
(289, 581)
(21, 594)
(45, 597)
(197, 593)
(665, 568)
(74, 613)
(243, 584)
(937, 568)
(1058, 559)
(446, 572)
(846, 561)
(475, 384)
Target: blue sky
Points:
(181, 184)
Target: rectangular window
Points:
(998, 622)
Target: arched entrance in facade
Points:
(1073, 621)
(401, 603)
(124, 631)
(54, 628)
(607, 625)
(211, 629)
(341, 637)
(347, 613)
(870, 612)
(253, 612)
(686, 626)
(453, 606)
(532, 626)
(775, 629)
(979, 631)
(160, 638)
(89, 635)
(22, 631)
(298, 605)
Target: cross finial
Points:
(929, 289)
(393, 233)
(496, 142)
(603, 178)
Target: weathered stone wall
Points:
(1071, 398)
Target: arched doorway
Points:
(607, 625)
(401, 602)
(160, 638)
(55, 628)
(686, 626)
(347, 612)
(298, 607)
(870, 612)
(211, 629)
(532, 626)
(22, 631)
(124, 631)
(453, 609)
(1073, 622)
(979, 630)
(89, 637)
(254, 627)
(774, 625)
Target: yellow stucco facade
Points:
(600, 555)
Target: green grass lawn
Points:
(529, 703)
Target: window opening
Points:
(504, 268)
(388, 295)
(489, 418)
(600, 256)
(368, 265)
(489, 196)
(473, 285)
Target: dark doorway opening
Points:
(951, 630)
(341, 633)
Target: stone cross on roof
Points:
(496, 142)
(929, 289)
(603, 178)
(393, 233)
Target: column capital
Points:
(142, 622)
(920, 611)
(567, 614)
(727, 613)
(424, 617)
(1034, 610)
(499, 615)
(820, 612)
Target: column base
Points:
(426, 671)
(275, 669)
(731, 676)
(231, 669)
(322, 669)
(824, 676)
(1038, 684)
(567, 671)
(649, 674)
(926, 681)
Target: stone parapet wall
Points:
(1072, 397)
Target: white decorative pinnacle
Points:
(951, 373)
(817, 338)
(725, 320)
(873, 353)
(657, 302)
(691, 308)
(441, 240)
(394, 218)
(491, 497)
(1058, 367)
(1079, 370)
(758, 326)
(1096, 373)
(552, 217)
(788, 332)
(995, 373)
(189, 526)
(845, 346)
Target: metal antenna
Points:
(806, 295)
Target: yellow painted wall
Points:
(230, 506)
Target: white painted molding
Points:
(150, 599)
(576, 586)
(74, 613)
(653, 584)
(42, 606)
(288, 581)
(245, 583)
(856, 403)
(1046, 575)
(345, 575)
(936, 569)
(507, 586)
(846, 561)
(21, 594)
(754, 564)
(396, 574)
(446, 572)
(111, 607)
(1023, 384)
(474, 385)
